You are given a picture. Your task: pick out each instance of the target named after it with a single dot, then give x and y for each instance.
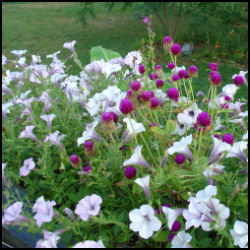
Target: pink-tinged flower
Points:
(135, 85)
(176, 49)
(237, 150)
(50, 239)
(159, 83)
(126, 106)
(170, 237)
(181, 240)
(179, 159)
(175, 78)
(54, 139)
(75, 161)
(145, 19)
(141, 69)
(45, 98)
(48, 119)
(173, 94)
(44, 211)
(70, 46)
(216, 136)
(144, 221)
(88, 145)
(154, 103)
(215, 78)
(227, 98)
(193, 71)
(183, 74)
(145, 96)
(107, 117)
(28, 165)
(238, 80)
(167, 43)
(70, 213)
(27, 133)
(90, 244)
(12, 215)
(228, 138)
(242, 74)
(153, 76)
(204, 119)
(213, 66)
(240, 234)
(137, 159)
(130, 172)
(129, 94)
(88, 206)
(171, 65)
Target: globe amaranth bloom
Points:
(204, 119)
(175, 78)
(130, 172)
(126, 106)
(167, 43)
(215, 78)
(213, 66)
(173, 94)
(159, 83)
(146, 95)
(171, 65)
(238, 80)
(141, 69)
(179, 159)
(154, 103)
(183, 74)
(176, 49)
(135, 85)
(193, 71)
(228, 138)
(153, 76)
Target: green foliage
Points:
(98, 53)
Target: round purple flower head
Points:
(228, 138)
(129, 93)
(135, 85)
(114, 116)
(170, 237)
(215, 78)
(238, 80)
(173, 94)
(154, 103)
(176, 49)
(165, 205)
(227, 98)
(159, 83)
(87, 169)
(130, 172)
(175, 78)
(193, 71)
(204, 119)
(126, 106)
(217, 136)
(224, 106)
(153, 76)
(167, 40)
(88, 145)
(151, 94)
(107, 117)
(141, 69)
(145, 96)
(179, 159)
(182, 73)
(176, 226)
(75, 159)
(171, 65)
(153, 124)
(158, 67)
(213, 66)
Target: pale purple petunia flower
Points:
(88, 206)
(70, 46)
(28, 165)
(44, 211)
(237, 150)
(50, 239)
(19, 53)
(45, 98)
(90, 244)
(181, 240)
(48, 119)
(55, 139)
(240, 234)
(70, 213)
(27, 133)
(4, 179)
(144, 184)
(171, 215)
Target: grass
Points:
(43, 27)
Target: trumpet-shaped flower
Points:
(213, 169)
(144, 221)
(55, 139)
(137, 159)
(229, 90)
(181, 240)
(182, 147)
(90, 244)
(144, 184)
(133, 128)
(88, 206)
(240, 234)
(50, 239)
(48, 119)
(28, 165)
(237, 150)
(27, 133)
(70, 46)
(171, 215)
(44, 211)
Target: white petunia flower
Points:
(213, 169)
(181, 240)
(171, 215)
(144, 184)
(237, 150)
(144, 221)
(245, 136)
(189, 115)
(229, 90)
(133, 59)
(243, 74)
(240, 234)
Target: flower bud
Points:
(75, 161)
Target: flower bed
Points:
(125, 153)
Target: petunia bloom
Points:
(240, 234)
(27, 133)
(70, 46)
(55, 139)
(90, 244)
(48, 119)
(181, 240)
(144, 184)
(28, 165)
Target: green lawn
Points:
(42, 28)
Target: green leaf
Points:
(170, 126)
(161, 236)
(157, 130)
(98, 53)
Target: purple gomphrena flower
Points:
(75, 159)
(153, 124)
(228, 138)
(167, 43)
(213, 66)
(107, 117)
(115, 116)
(175, 78)
(183, 73)
(141, 69)
(204, 119)
(173, 94)
(145, 96)
(135, 85)
(170, 237)
(176, 49)
(153, 76)
(158, 70)
(165, 205)
(122, 147)
(158, 67)
(215, 78)
(157, 211)
(126, 106)
(193, 71)
(217, 136)
(176, 226)
(159, 83)
(88, 145)
(171, 65)
(130, 172)
(179, 159)
(87, 169)
(238, 80)
(154, 103)
(151, 94)
(224, 106)
(129, 93)
(227, 98)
